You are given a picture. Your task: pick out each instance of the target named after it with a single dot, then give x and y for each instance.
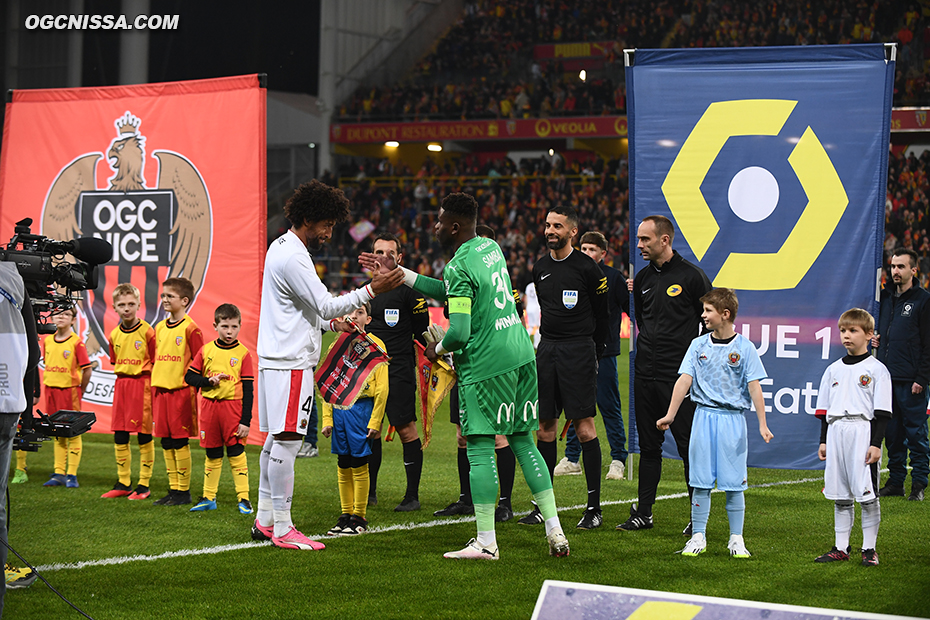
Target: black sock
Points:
(413, 464)
(464, 482)
(374, 464)
(591, 457)
(650, 472)
(548, 452)
(506, 466)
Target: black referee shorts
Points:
(401, 407)
(567, 375)
(454, 416)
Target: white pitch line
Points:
(374, 530)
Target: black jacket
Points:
(668, 308)
(904, 327)
(617, 303)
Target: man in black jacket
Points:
(903, 340)
(667, 303)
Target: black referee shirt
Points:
(668, 308)
(396, 316)
(572, 296)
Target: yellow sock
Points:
(75, 448)
(212, 470)
(347, 490)
(146, 463)
(21, 460)
(61, 454)
(123, 463)
(172, 466)
(361, 482)
(240, 470)
(183, 458)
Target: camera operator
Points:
(19, 358)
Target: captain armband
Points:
(459, 305)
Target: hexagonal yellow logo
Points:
(827, 199)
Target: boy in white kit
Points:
(722, 370)
(854, 406)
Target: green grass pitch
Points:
(397, 569)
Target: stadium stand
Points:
(484, 67)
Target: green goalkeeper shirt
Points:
(498, 342)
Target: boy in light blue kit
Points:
(722, 370)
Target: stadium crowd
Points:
(484, 66)
(513, 199)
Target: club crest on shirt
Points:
(673, 291)
(906, 310)
(702, 357)
(569, 299)
(303, 423)
(865, 381)
(391, 316)
(233, 361)
(138, 344)
(733, 358)
(66, 354)
(179, 340)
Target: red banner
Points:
(172, 175)
(909, 119)
(498, 129)
(593, 49)
(902, 120)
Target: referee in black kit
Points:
(572, 292)
(397, 317)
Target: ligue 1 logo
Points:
(810, 162)
(162, 231)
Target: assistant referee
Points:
(572, 293)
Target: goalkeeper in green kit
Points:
(495, 364)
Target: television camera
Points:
(51, 282)
(42, 264)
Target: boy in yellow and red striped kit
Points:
(223, 371)
(67, 373)
(132, 353)
(174, 410)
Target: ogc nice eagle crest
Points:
(156, 232)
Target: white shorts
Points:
(847, 476)
(285, 399)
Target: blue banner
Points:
(772, 164)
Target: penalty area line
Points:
(374, 530)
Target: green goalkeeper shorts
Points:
(501, 405)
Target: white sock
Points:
(264, 516)
(487, 540)
(553, 524)
(281, 480)
(844, 516)
(871, 517)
